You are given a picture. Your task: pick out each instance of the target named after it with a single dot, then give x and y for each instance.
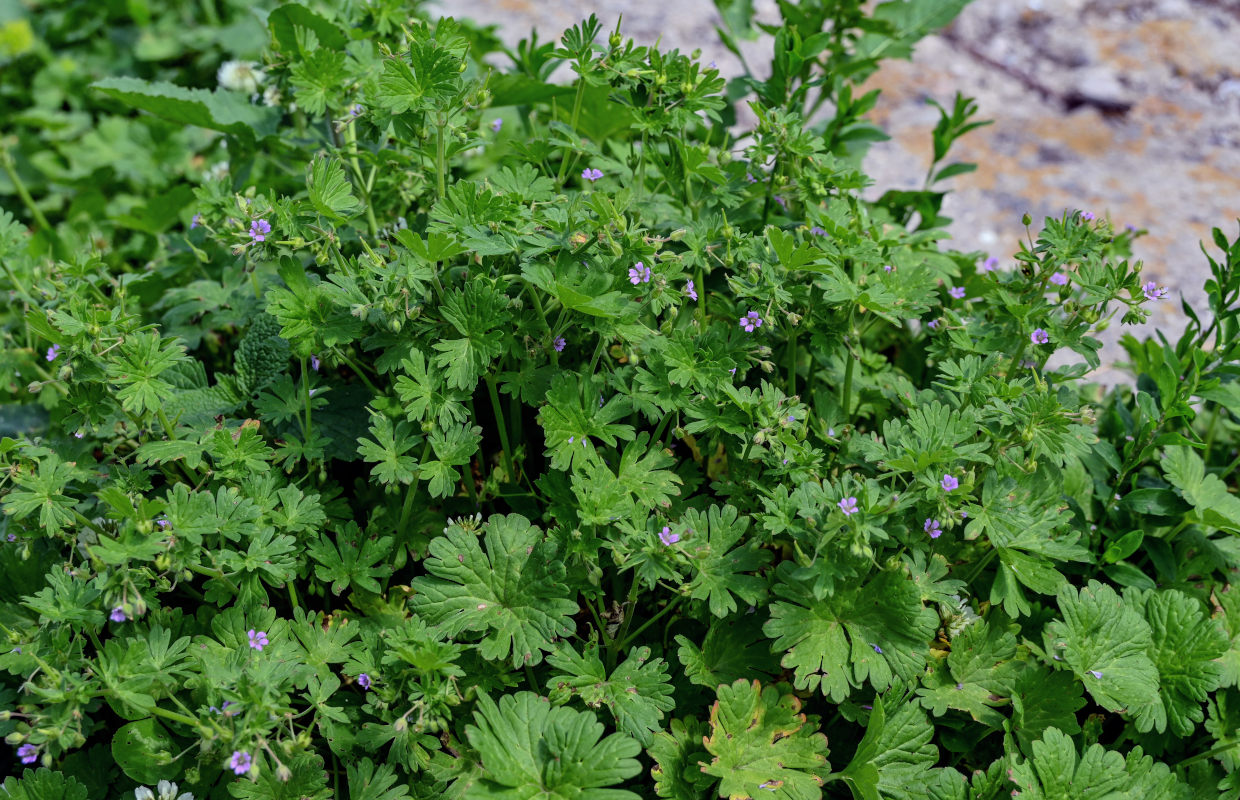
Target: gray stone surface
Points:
(1127, 108)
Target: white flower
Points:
(167, 791)
(240, 76)
(271, 96)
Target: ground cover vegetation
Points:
(384, 418)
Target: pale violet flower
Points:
(1039, 336)
(1151, 290)
(690, 291)
(496, 124)
(639, 273)
(751, 321)
(1088, 216)
(932, 527)
(240, 762)
(949, 483)
(848, 505)
(667, 537)
(957, 292)
(559, 345)
(363, 680)
(591, 174)
(258, 639)
(1059, 279)
(989, 264)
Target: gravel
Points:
(1127, 108)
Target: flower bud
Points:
(284, 773)
(15, 738)
(615, 40)
(401, 725)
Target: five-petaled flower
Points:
(240, 762)
(817, 231)
(932, 527)
(689, 290)
(195, 220)
(667, 537)
(52, 352)
(259, 229)
(848, 505)
(357, 110)
(28, 753)
(1151, 290)
(363, 680)
(1088, 216)
(118, 615)
(989, 264)
(1059, 279)
(1039, 336)
(591, 174)
(949, 483)
(751, 321)
(933, 324)
(258, 639)
(639, 273)
(497, 123)
(957, 292)
(559, 344)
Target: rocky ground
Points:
(1127, 108)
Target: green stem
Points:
(641, 628)
(613, 653)
(846, 394)
(6, 162)
(441, 161)
(503, 429)
(358, 371)
(581, 91)
(217, 573)
(792, 362)
(1217, 750)
(305, 394)
(175, 717)
(350, 138)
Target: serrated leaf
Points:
(721, 566)
(330, 191)
(530, 749)
(228, 112)
(762, 746)
(512, 591)
(895, 755)
(638, 691)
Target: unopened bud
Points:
(284, 773)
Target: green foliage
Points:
(387, 420)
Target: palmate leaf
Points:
(638, 691)
(1055, 772)
(896, 753)
(1207, 493)
(42, 784)
(136, 371)
(720, 569)
(762, 746)
(878, 632)
(677, 753)
(1106, 643)
(351, 559)
(977, 668)
(572, 420)
(732, 649)
(387, 450)
(530, 749)
(42, 491)
(1185, 647)
(329, 189)
(513, 591)
(1043, 699)
(1227, 617)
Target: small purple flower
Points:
(932, 527)
(957, 292)
(817, 231)
(240, 762)
(315, 363)
(712, 65)
(868, 707)
(356, 110)
(749, 178)
(1130, 228)
(751, 321)
(1096, 674)
(363, 680)
(162, 521)
(889, 269)
(52, 352)
(12, 537)
(78, 434)
(667, 537)
(933, 324)
(195, 220)
(259, 229)
(949, 483)
(118, 615)
(1151, 290)
(1059, 279)
(848, 505)
(690, 291)
(1088, 216)
(570, 439)
(959, 686)
(591, 174)
(733, 370)
(989, 264)
(877, 649)
(28, 753)
(258, 639)
(559, 344)
(497, 123)
(1039, 336)
(782, 202)
(639, 273)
